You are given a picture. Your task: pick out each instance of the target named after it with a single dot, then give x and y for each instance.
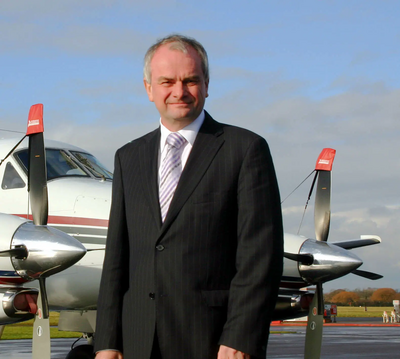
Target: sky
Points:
(306, 75)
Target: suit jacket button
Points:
(160, 247)
(152, 296)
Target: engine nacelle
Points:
(17, 304)
(292, 304)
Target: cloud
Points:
(83, 40)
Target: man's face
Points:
(177, 87)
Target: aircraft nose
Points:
(49, 251)
(330, 262)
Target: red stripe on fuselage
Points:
(15, 280)
(78, 221)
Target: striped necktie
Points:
(170, 172)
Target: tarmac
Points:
(349, 338)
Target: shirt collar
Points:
(189, 132)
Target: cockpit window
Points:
(93, 165)
(59, 164)
(11, 178)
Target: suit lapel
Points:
(207, 144)
(148, 166)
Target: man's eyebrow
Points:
(194, 77)
(164, 78)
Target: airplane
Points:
(52, 242)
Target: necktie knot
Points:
(176, 140)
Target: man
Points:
(192, 271)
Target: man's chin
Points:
(183, 116)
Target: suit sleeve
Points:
(114, 276)
(259, 257)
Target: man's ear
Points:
(207, 88)
(147, 86)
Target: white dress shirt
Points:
(189, 133)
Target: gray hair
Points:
(180, 43)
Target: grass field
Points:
(359, 312)
(24, 330)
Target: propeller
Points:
(322, 219)
(38, 251)
(38, 196)
(311, 266)
(312, 273)
(320, 261)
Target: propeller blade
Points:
(365, 240)
(37, 177)
(38, 180)
(41, 348)
(19, 253)
(306, 259)
(368, 275)
(322, 211)
(312, 349)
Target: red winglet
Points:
(325, 160)
(35, 120)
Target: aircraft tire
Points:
(81, 352)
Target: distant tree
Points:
(384, 296)
(328, 296)
(365, 295)
(346, 298)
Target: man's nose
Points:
(179, 90)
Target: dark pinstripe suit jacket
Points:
(210, 274)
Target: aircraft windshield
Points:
(62, 164)
(92, 164)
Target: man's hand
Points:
(109, 354)
(230, 353)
